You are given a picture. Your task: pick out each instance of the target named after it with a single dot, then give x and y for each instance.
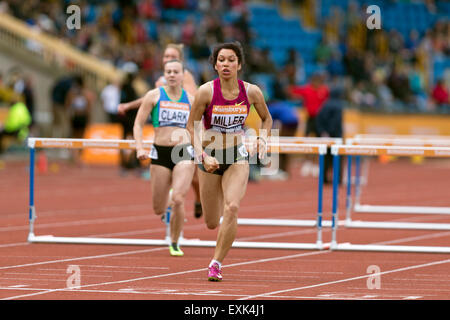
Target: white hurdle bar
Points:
(299, 222)
(392, 140)
(350, 150)
(281, 147)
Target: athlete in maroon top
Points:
(224, 115)
(224, 105)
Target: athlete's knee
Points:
(212, 223)
(231, 211)
(232, 207)
(178, 199)
(159, 209)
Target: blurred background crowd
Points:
(289, 45)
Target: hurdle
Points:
(328, 142)
(392, 140)
(351, 150)
(43, 143)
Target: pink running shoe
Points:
(214, 273)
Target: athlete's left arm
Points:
(256, 98)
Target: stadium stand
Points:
(394, 69)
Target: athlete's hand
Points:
(142, 154)
(262, 147)
(211, 164)
(122, 109)
(259, 145)
(252, 147)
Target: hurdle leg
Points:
(320, 201)
(358, 179)
(334, 217)
(348, 203)
(167, 223)
(32, 212)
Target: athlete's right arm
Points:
(201, 100)
(149, 101)
(122, 108)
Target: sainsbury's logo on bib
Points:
(173, 113)
(229, 117)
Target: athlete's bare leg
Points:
(181, 176)
(234, 185)
(197, 202)
(211, 196)
(160, 183)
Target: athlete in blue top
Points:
(172, 155)
(172, 52)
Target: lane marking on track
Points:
(231, 265)
(166, 275)
(268, 294)
(14, 244)
(220, 294)
(82, 258)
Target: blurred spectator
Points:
(16, 124)
(361, 96)
(335, 67)
(188, 31)
(398, 82)
(285, 118)
(329, 123)
(136, 32)
(313, 94)
(354, 64)
(382, 93)
(110, 97)
(294, 68)
(28, 95)
(242, 29)
(413, 41)
(128, 160)
(323, 52)
(79, 103)
(440, 95)
(59, 93)
(7, 94)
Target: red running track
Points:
(98, 202)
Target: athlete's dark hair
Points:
(235, 46)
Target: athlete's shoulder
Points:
(252, 88)
(153, 94)
(207, 84)
(206, 87)
(204, 93)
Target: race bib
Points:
(173, 113)
(153, 153)
(229, 118)
(190, 150)
(243, 151)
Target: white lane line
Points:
(268, 294)
(166, 275)
(82, 258)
